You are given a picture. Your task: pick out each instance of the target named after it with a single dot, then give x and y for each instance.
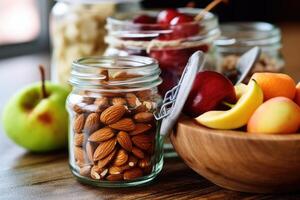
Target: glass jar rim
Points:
(142, 73)
(122, 32)
(248, 34)
(117, 18)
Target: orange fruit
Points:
(275, 85)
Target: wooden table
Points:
(34, 176)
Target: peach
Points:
(297, 96)
(278, 115)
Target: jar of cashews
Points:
(77, 30)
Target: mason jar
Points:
(77, 30)
(239, 37)
(114, 139)
(170, 45)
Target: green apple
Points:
(36, 118)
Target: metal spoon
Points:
(246, 62)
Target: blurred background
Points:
(25, 38)
(24, 25)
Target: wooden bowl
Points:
(239, 161)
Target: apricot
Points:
(275, 85)
(279, 115)
(297, 96)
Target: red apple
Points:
(209, 90)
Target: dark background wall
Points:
(242, 10)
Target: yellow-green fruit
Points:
(278, 115)
(36, 123)
(239, 114)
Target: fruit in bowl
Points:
(208, 91)
(279, 114)
(262, 156)
(36, 119)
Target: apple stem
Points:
(42, 72)
(228, 104)
(209, 7)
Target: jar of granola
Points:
(113, 136)
(237, 38)
(77, 30)
(171, 45)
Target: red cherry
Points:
(165, 16)
(144, 19)
(181, 19)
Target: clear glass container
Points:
(114, 139)
(170, 45)
(239, 37)
(77, 30)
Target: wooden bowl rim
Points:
(238, 134)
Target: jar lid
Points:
(97, 1)
(175, 98)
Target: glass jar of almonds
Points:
(77, 30)
(113, 136)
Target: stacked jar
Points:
(171, 45)
(77, 30)
(237, 38)
(114, 139)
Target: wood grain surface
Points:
(240, 161)
(33, 176)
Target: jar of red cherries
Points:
(170, 36)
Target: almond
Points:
(144, 95)
(140, 128)
(78, 108)
(118, 101)
(115, 177)
(102, 102)
(133, 173)
(112, 114)
(78, 123)
(91, 123)
(124, 140)
(78, 139)
(138, 153)
(95, 175)
(104, 149)
(122, 75)
(103, 162)
(143, 163)
(143, 117)
(98, 173)
(101, 135)
(115, 170)
(132, 161)
(132, 100)
(121, 158)
(90, 148)
(88, 100)
(141, 108)
(79, 154)
(125, 124)
(142, 141)
(85, 170)
(104, 73)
